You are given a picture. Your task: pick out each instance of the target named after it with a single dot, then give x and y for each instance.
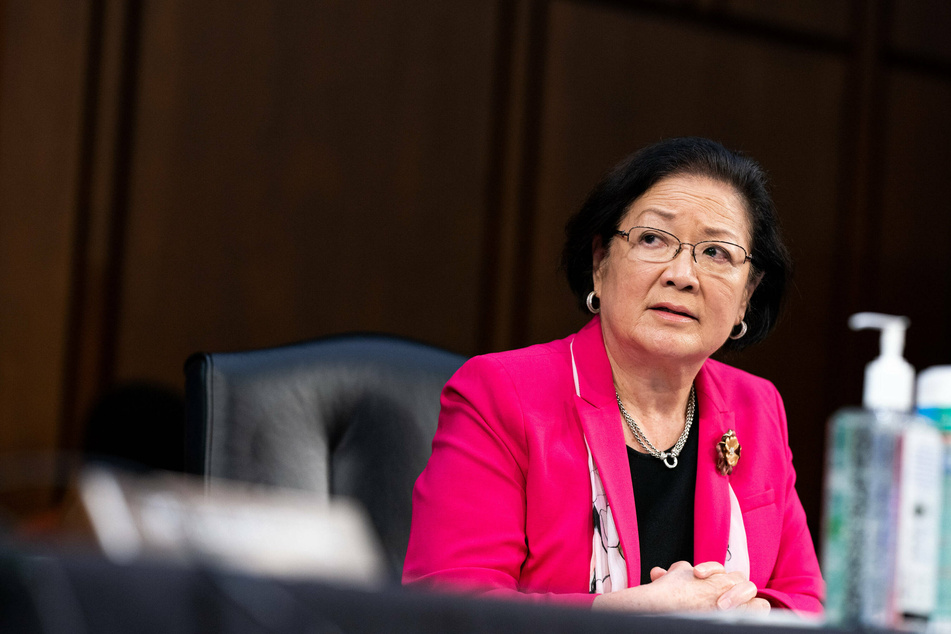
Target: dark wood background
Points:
(179, 176)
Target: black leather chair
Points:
(350, 415)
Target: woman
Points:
(547, 478)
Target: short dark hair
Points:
(609, 201)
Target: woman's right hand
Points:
(685, 588)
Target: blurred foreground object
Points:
(66, 594)
(256, 530)
(882, 496)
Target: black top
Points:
(664, 499)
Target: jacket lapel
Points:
(597, 409)
(712, 504)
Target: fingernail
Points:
(724, 603)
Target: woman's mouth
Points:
(673, 311)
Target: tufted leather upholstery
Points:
(350, 415)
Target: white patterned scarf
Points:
(608, 568)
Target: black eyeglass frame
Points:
(693, 246)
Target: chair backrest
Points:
(350, 415)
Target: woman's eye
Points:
(717, 253)
(652, 240)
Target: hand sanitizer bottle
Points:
(934, 403)
(882, 495)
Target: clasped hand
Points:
(685, 588)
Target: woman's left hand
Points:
(741, 596)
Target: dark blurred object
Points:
(350, 415)
(58, 595)
(137, 426)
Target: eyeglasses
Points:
(656, 245)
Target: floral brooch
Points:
(728, 453)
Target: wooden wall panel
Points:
(617, 82)
(41, 90)
(301, 169)
(821, 17)
(98, 239)
(920, 28)
(244, 175)
(915, 234)
(905, 159)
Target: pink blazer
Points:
(504, 505)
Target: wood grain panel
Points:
(40, 129)
(914, 243)
(920, 27)
(825, 17)
(304, 168)
(257, 173)
(98, 239)
(615, 83)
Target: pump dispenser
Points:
(889, 379)
(882, 495)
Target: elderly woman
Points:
(622, 467)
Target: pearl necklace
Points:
(646, 444)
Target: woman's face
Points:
(674, 310)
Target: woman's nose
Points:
(682, 270)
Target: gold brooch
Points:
(728, 453)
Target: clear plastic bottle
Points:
(881, 498)
(858, 558)
(934, 403)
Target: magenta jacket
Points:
(504, 504)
